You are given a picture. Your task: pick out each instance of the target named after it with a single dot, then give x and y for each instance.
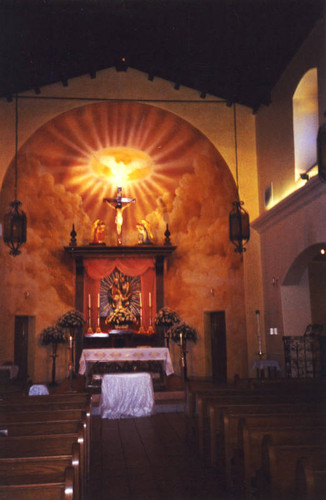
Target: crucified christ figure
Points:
(119, 204)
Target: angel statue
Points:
(145, 236)
(98, 229)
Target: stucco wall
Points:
(215, 121)
(294, 229)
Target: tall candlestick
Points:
(150, 299)
(259, 333)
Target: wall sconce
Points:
(239, 227)
(275, 281)
(14, 222)
(304, 177)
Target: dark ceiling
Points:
(233, 49)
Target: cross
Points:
(119, 204)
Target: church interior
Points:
(162, 180)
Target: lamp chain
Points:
(236, 145)
(16, 146)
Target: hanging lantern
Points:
(14, 228)
(239, 226)
(14, 222)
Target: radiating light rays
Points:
(93, 149)
(121, 166)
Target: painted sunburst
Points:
(93, 149)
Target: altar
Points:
(115, 281)
(95, 363)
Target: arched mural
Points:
(175, 174)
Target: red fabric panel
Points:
(96, 269)
(99, 268)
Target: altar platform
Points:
(95, 363)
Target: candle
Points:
(181, 338)
(258, 332)
(150, 299)
(140, 302)
(98, 300)
(70, 342)
(89, 300)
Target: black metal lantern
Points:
(14, 228)
(239, 227)
(14, 222)
(321, 152)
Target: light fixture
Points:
(14, 222)
(239, 226)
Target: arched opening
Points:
(303, 291)
(305, 124)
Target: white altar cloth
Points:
(126, 354)
(126, 395)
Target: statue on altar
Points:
(119, 204)
(125, 291)
(119, 293)
(114, 294)
(145, 236)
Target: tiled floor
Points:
(147, 458)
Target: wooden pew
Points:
(48, 405)
(41, 416)
(247, 456)
(52, 414)
(269, 416)
(44, 415)
(36, 428)
(276, 478)
(205, 401)
(48, 446)
(310, 479)
(21, 480)
(223, 419)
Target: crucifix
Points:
(119, 204)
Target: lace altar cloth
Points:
(126, 395)
(126, 354)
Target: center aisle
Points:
(147, 458)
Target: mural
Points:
(175, 175)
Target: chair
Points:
(38, 390)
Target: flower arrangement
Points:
(166, 317)
(70, 319)
(184, 331)
(53, 335)
(121, 316)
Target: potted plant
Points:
(53, 335)
(180, 333)
(166, 318)
(71, 320)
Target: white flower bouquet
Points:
(53, 335)
(71, 319)
(166, 317)
(121, 316)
